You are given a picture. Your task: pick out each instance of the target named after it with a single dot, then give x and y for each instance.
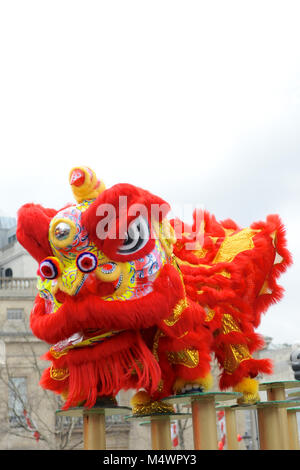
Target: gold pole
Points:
(268, 424)
(293, 429)
(231, 431)
(278, 394)
(161, 433)
(94, 431)
(85, 431)
(204, 424)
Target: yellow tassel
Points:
(247, 385)
(249, 388)
(140, 398)
(205, 382)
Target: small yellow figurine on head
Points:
(85, 184)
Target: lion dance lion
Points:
(128, 299)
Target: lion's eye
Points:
(62, 231)
(136, 238)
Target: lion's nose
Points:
(50, 268)
(108, 272)
(87, 262)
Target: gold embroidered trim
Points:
(183, 335)
(265, 288)
(235, 353)
(177, 311)
(225, 273)
(235, 244)
(201, 252)
(157, 336)
(274, 238)
(57, 354)
(160, 385)
(187, 357)
(229, 324)
(209, 314)
(59, 374)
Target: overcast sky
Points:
(196, 101)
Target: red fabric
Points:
(121, 362)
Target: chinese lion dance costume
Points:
(143, 304)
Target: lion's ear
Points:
(32, 230)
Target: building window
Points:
(12, 239)
(14, 313)
(8, 272)
(2, 353)
(17, 399)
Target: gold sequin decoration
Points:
(225, 273)
(229, 324)
(177, 311)
(160, 385)
(235, 244)
(57, 354)
(265, 288)
(274, 238)
(235, 353)
(187, 357)
(201, 252)
(209, 314)
(157, 336)
(154, 407)
(59, 374)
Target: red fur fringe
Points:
(104, 369)
(239, 295)
(33, 228)
(248, 368)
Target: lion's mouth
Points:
(82, 339)
(68, 342)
